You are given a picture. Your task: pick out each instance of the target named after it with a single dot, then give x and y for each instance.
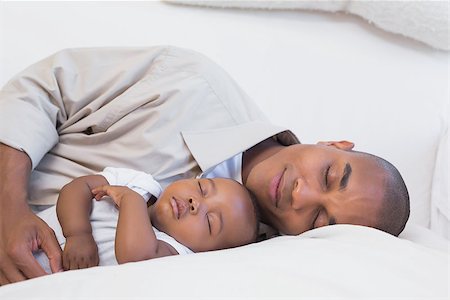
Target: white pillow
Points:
(425, 21)
(440, 208)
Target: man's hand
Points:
(21, 233)
(80, 252)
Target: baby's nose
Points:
(193, 206)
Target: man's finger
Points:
(53, 251)
(10, 273)
(3, 280)
(30, 267)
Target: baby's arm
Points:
(73, 209)
(135, 238)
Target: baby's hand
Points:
(80, 252)
(116, 192)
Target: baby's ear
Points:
(341, 145)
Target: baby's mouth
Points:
(179, 207)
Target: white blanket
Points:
(341, 261)
(425, 21)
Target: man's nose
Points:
(303, 195)
(193, 206)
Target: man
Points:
(172, 113)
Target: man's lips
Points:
(179, 207)
(275, 188)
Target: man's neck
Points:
(257, 154)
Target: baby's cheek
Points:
(192, 235)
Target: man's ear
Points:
(341, 145)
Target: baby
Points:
(191, 215)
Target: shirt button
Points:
(88, 131)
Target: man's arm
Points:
(21, 231)
(135, 238)
(60, 94)
(74, 209)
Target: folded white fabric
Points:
(332, 262)
(426, 21)
(440, 206)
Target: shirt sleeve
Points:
(141, 182)
(41, 102)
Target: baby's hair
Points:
(257, 215)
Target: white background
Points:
(326, 76)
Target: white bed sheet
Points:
(336, 262)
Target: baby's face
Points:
(205, 214)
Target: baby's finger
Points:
(105, 187)
(99, 192)
(83, 264)
(98, 189)
(66, 262)
(99, 196)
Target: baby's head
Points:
(206, 214)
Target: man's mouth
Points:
(275, 188)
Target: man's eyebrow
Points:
(345, 176)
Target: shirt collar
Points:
(213, 146)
